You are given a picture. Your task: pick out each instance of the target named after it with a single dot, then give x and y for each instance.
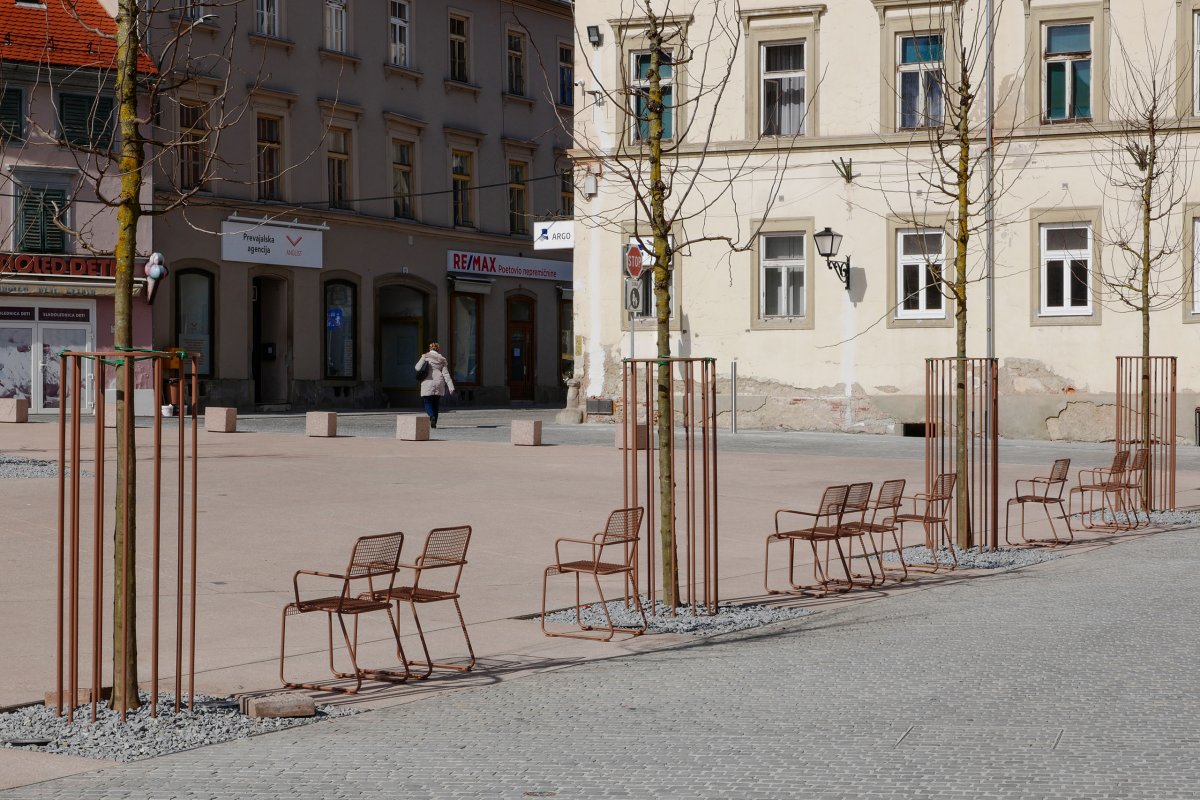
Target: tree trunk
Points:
(964, 536)
(125, 680)
(1147, 212)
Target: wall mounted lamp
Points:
(594, 35)
(828, 243)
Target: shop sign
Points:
(63, 315)
(558, 234)
(16, 314)
(272, 244)
(36, 264)
(498, 266)
(36, 289)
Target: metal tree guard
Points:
(980, 481)
(72, 565)
(695, 469)
(1156, 432)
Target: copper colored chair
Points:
(883, 510)
(1045, 491)
(932, 511)
(373, 562)
(613, 552)
(1134, 477)
(854, 517)
(445, 549)
(823, 527)
(1108, 482)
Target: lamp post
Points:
(828, 242)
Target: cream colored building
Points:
(814, 88)
(378, 187)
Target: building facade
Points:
(58, 170)
(370, 176)
(784, 120)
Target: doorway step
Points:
(272, 408)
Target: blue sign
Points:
(333, 318)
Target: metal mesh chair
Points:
(373, 562)
(823, 527)
(1044, 491)
(1108, 482)
(932, 511)
(1135, 476)
(613, 552)
(445, 549)
(854, 517)
(883, 510)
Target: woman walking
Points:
(434, 372)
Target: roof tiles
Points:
(67, 33)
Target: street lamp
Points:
(594, 36)
(828, 243)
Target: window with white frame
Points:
(649, 303)
(191, 9)
(920, 256)
(782, 98)
(919, 82)
(515, 56)
(1195, 265)
(398, 21)
(639, 88)
(1068, 72)
(781, 277)
(1066, 269)
(566, 75)
(459, 49)
(337, 160)
(1196, 63)
(337, 20)
(266, 17)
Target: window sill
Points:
(518, 99)
(337, 55)
(760, 323)
(920, 322)
(468, 227)
(271, 41)
(459, 86)
(1052, 318)
(566, 108)
(402, 72)
(1054, 123)
(184, 22)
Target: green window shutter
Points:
(105, 121)
(12, 114)
(54, 239)
(87, 121)
(38, 233)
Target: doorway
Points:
(520, 349)
(402, 340)
(31, 339)
(270, 340)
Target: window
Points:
(516, 63)
(337, 161)
(640, 91)
(459, 67)
(647, 277)
(566, 338)
(336, 14)
(38, 209)
(86, 120)
(193, 140)
(340, 324)
(566, 75)
(919, 79)
(192, 9)
(1196, 63)
(266, 17)
(461, 194)
(270, 158)
(919, 275)
(1066, 269)
(781, 292)
(1068, 87)
(566, 193)
(1196, 266)
(518, 211)
(402, 179)
(464, 337)
(398, 32)
(782, 99)
(12, 114)
(194, 315)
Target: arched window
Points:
(341, 324)
(194, 316)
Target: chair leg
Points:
(429, 663)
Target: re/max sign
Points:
(34, 264)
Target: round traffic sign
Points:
(633, 261)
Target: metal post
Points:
(989, 179)
(733, 396)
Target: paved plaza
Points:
(1072, 678)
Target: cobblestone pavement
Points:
(1071, 679)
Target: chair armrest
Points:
(792, 511)
(315, 573)
(558, 558)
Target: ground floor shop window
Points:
(464, 343)
(340, 323)
(566, 338)
(194, 316)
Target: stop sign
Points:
(633, 261)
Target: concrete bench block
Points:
(527, 432)
(288, 704)
(640, 441)
(412, 427)
(320, 423)
(14, 409)
(220, 420)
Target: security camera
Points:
(580, 83)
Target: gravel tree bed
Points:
(975, 558)
(18, 467)
(141, 736)
(729, 617)
(1160, 519)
